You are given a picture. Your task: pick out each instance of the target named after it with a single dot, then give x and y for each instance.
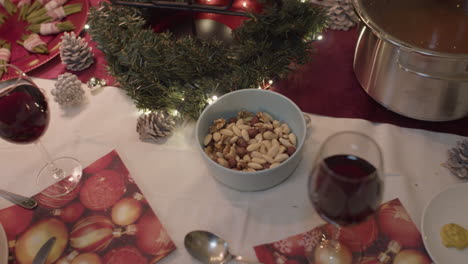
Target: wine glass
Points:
(24, 118)
(345, 185)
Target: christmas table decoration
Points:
(33, 43)
(116, 226)
(340, 13)
(75, 52)
(68, 90)
(388, 237)
(457, 162)
(155, 126)
(162, 72)
(51, 28)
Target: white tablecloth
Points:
(184, 195)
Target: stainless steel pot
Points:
(412, 81)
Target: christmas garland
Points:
(179, 75)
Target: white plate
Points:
(448, 206)
(3, 246)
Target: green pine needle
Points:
(161, 72)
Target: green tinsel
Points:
(162, 72)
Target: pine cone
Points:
(341, 13)
(75, 53)
(457, 162)
(68, 90)
(155, 126)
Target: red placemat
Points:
(390, 236)
(106, 219)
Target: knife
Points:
(44, 251)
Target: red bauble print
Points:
(125, 255)
(118, 166)
(70, 213)
(358, 237)
(87, 258)
(15, 219)
(410, 256)
(92, 233)
(100, 164)
(31, 241)
(297, 245)
(102, 190)
(56, 202)
(126, 211)
(395, 222)
(151, 238)
(342, 255)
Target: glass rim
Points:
(21, 74)
(378, 169)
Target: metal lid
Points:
(432, 27)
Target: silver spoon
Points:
(25, 202)
(208, 248)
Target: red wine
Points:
(346, 189)
(24, 115)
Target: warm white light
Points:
(210, 101)
(141, 112)
(214, 97)
(86, 27)
(303, 1)
(183, 99)
(175, 113)
(244, 4)
(319, 37)
(270, 82)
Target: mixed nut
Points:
(249, 142)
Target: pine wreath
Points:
(162, 72)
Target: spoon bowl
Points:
(208, 248)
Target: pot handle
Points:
(455, 76)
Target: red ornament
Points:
(125, 255)
(15, 220)
(102, 190)
(92, 233)
(395, 222)
(126, 211)
(118, 166)
(87, 258)
(340, 255)
(49, 198)
(411, 256)
(296, 246)
(358, 237)
(151, 238)
(247, 5)
(30, 242)
(100, 164)
(70, 213)
(264, 254)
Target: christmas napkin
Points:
(106, 219)
(389, 237)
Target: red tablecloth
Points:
(326, 86)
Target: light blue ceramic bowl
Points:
(254, 100)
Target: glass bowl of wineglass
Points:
(345, 187)
(24, 118)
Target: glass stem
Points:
(56, 170)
